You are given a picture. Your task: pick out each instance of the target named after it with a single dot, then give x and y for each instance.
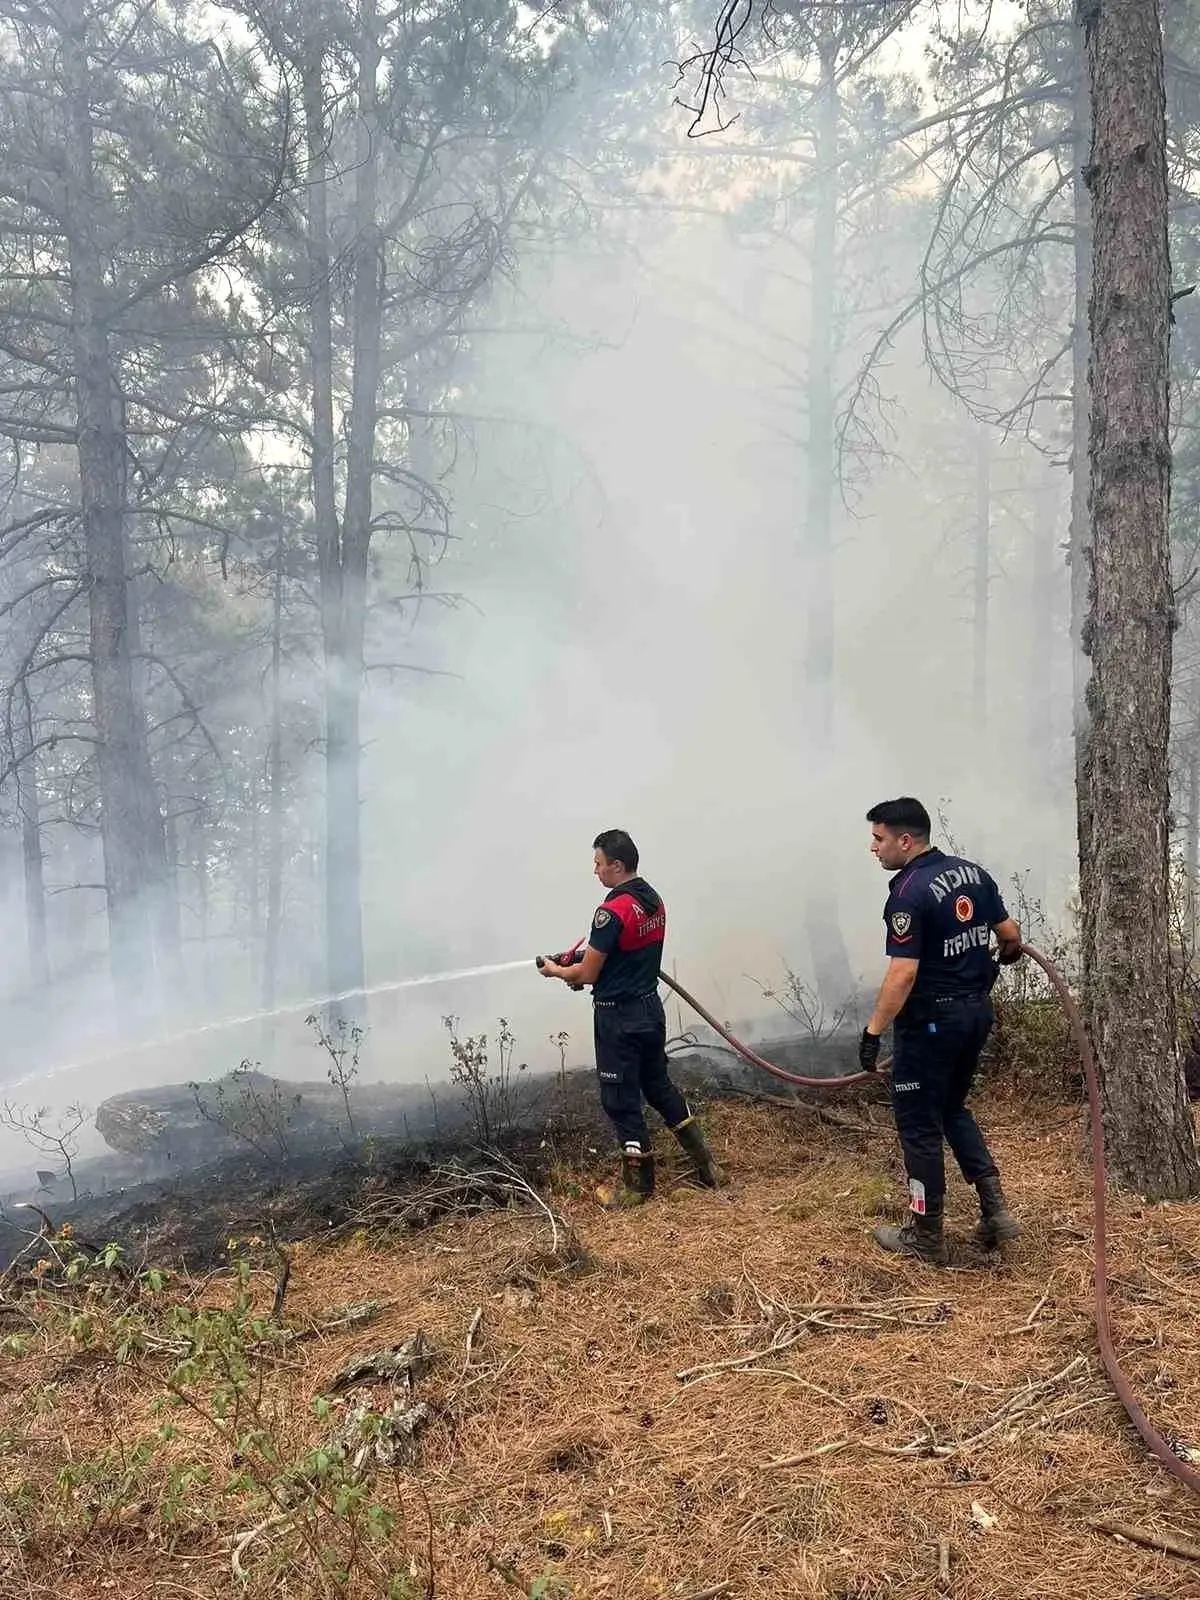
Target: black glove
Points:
(868, 1051)
(1009, 953)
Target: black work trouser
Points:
(631, 1064)
(936, 1055)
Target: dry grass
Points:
(949, 1432)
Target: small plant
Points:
(437, 1119)
(342, 1043)
(307, 1491)
(805, 1006)
(252, 1108)
(945, 828)
(487, 1095)
(1033, 1037)
(549, 1586)
(48, 1135)
(560, 1040)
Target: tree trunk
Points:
(831, 964)
(169, 924)
(343, 663)
(1149, 1132)
(981, 582)
(1080, 546)
(161, 891)
(344, 557)
(29, 807)
(130, 822)
(1191, 840)
(1081, 530)
(345, 756)
(1043, 652)
(270, 982)
(202, 907)
(818, 527)
(981, 597)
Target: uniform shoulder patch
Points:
(602, 918)
(901, 923)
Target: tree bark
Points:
(1191, 839)
(130, 820)
(1080, 545)
(1150, 1137)
(1081, 530)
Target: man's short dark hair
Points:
(616, 845)
(905, 815)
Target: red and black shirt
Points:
(629, 929)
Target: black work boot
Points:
(921, 1237)
(637, 1180)
(996, 1225)
(691, 1137)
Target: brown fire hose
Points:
(761, 1062)
(1155, 1442)
(1180, 1469)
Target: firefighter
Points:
(622, 962)
(940, 916)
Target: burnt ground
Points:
(187, 1213)
(726, 1395)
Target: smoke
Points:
(626, 649)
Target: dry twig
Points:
(944, 1564)
(1012, 1414)
(1169, 1543)
(855, 1316)
(471, 1332)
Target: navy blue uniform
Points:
(940, 912)
(630, 1023)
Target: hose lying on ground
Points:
(1155, 1442)
(1180, 1469)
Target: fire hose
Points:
(1154, 1440)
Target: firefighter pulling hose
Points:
(631, 1044)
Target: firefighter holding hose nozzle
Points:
(622, 962)
(940, 915)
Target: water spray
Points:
(291, 1009)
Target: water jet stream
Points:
(292, 1008)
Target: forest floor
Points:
(723, 1395)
